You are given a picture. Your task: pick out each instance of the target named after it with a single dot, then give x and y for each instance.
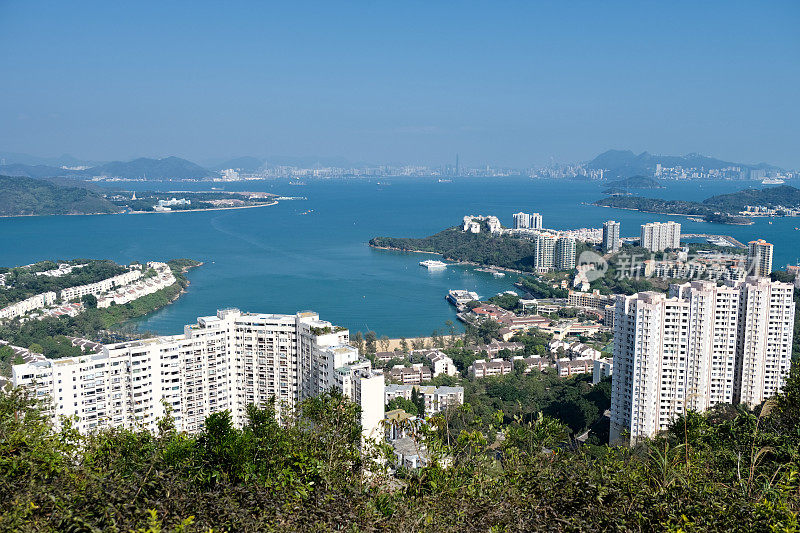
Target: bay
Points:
(278, 259)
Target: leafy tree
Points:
(541, 289)
(89, 301)
(370, 342)
(384, 343)
(485, 331)
(418, 399)
(358, 341)
(731, 469)
(506, 301)
(404, 345)
(401, 403)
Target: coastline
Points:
(275, 202)
(750, 223)
(469, 263)
(172, 300)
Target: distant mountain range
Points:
(37, 171)
(625, 163)
(618, 164)
(245, 163)
(166, 168)
(64, 160)
(144, 167)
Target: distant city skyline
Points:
(517, 86)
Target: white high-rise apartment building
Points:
(544, 257)
(700, 346)
(565, 253)
(223, 362)
(765, 349)
(658, 236)
(552, 252)
(522, 221)
(611, 241)
(527, 221)
(759, 258)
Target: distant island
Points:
(144, 167)
(634, 182)
(731, 208)
(21, 196)
(178, 201)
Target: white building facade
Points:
(223, 362)
(565, 253)
(759, 258)
(527, 221)
(658, 236)
(611, 241)
(698, 347)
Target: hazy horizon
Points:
(514, 85)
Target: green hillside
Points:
(456, 245)
(722, 208)
(27, 196)
(144, 167)
(783, 195)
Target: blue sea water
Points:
(277, 259)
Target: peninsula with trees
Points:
(99, 315)
(484, 248)
(731, 208)
(23, 196)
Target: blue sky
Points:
(514, 83)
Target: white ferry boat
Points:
(772, 181)
(432, 264)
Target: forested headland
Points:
(483, 248)
(21, 196)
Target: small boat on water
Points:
(432, 264)
(491, 271)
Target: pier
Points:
(733, 242)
